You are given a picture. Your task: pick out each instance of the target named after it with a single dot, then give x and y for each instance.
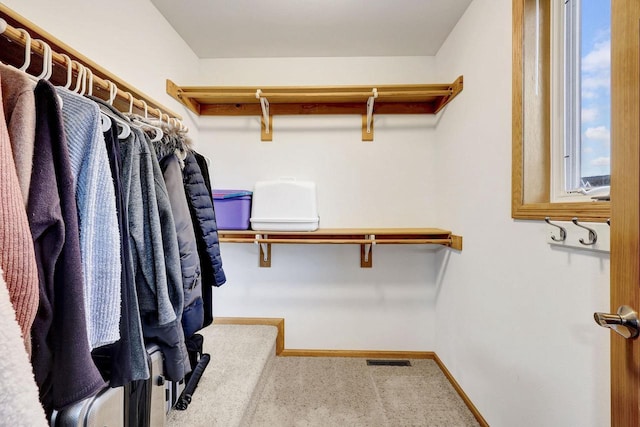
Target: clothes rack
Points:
(106, 85)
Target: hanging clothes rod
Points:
(126, 94)
(300, 97)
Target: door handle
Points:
(625, 322)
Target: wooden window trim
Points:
(531, 162)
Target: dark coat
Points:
(208, 275)
(193, 314)
(204, 217)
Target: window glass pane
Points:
(595, 45)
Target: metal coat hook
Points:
(563, 231)
(593, 236)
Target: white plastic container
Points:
(285, 204)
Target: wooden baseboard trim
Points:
(461, 393)
(371, 354)
(275, 321)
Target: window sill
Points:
(585, 211)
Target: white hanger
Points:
(69, 70)
(49, 65)
(88, 73)
(27, 50)
(80, 78)
(47, 59)
(105, 122)
(45, 56)
(159, 133)
(146, 109)
(113, 92)
(130, 102)
(125, 129)
(85, 75)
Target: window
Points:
(581, 99)
(553, 103)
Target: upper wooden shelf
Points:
(267, 101)
(365, 237)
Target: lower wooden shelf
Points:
(365, 237)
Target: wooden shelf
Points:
(295, 100)
(365, 237)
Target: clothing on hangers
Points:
(208, 273)
(19, 108)
(196, 186)
(126, 359)
(169, 151)
(156, 257)
(203, 216)
(105, 256)
(99, 233)
(17, 257)
(61, 356)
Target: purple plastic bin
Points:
(233, 209)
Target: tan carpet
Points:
(346, 392)
(246, 385)
(226, 392)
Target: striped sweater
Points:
(98, 220)
(17, 257)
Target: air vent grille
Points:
(380, 362)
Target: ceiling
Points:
(312, 28)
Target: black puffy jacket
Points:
(204, 217)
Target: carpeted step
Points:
(240, 357)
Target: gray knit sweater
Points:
(145, 232)
(98, 220)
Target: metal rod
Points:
(339, 241)
(292, 97)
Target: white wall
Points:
(130, 38)
(328, 301)
(514, 316)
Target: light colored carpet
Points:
(240, 357)
(246, 385)
(346, 392)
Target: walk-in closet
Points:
(397, 249)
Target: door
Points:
(625, 205)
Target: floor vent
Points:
(378, 362)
